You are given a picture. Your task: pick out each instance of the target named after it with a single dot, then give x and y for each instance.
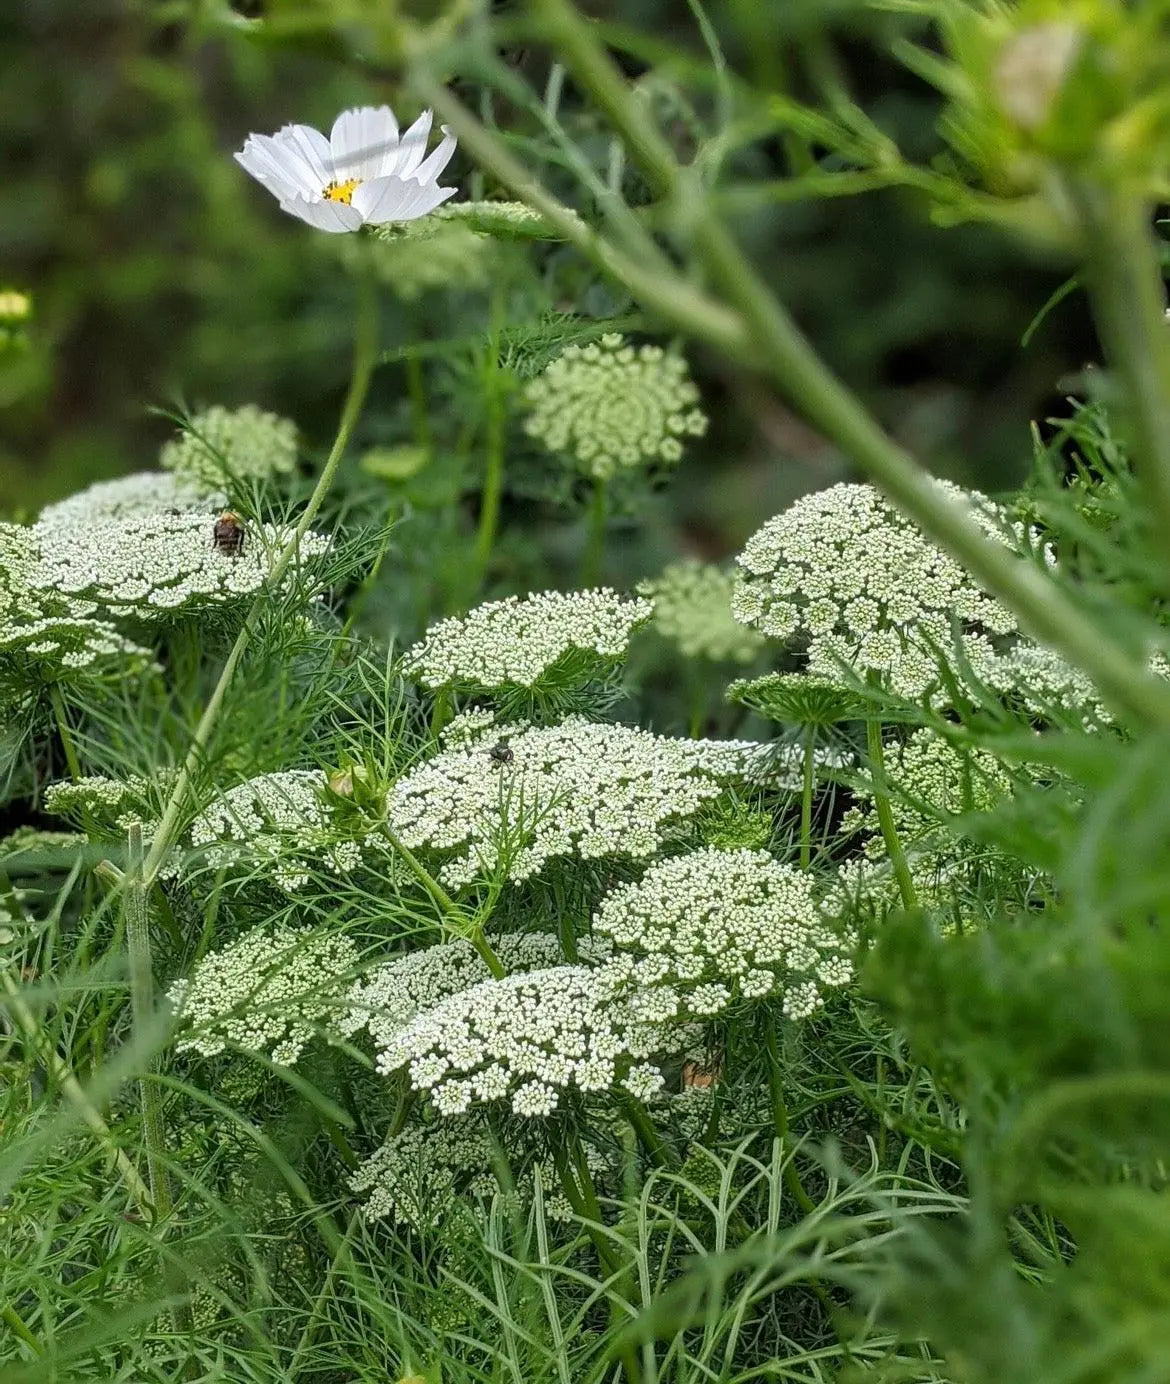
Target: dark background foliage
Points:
(163, 277)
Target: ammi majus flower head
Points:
(364, 173)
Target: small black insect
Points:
(501, 752)
(227, 534)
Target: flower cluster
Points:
(114, 803)
(125, 501)
(158, 562)
(412, 259)
(280, 824)
(219, 446)
(615, 407)
(855, 582)
(47, 637)
(692, 609)
(391, 996)
(1044, 684)
(527, 1038)
(420, 1176)
(517, 642)
(931, 781)
(700, 931)
(578, 788)
(268, 993)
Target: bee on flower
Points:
(365, 173)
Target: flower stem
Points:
(647, 1135)
(455, 916)
(780, 1116)
(16, 1325)
(885, 814)
(63, 731)
(493, 479)
(1124, 277)
(137, 917)
(364, 357)
(806, 797)
(594, 554)
(753, 327)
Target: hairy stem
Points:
(780, 1116)
(885, 813)
(364, 356)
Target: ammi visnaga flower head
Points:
(364, 173)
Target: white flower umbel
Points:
(279, 825)
(931, 780)
(47, 636)
(219, 445)
(517, 643)
(268, 993)
(853, 582)
(125, 500)
(614, 407)
(692, 610)
(525, 1039)
(578, 788)
(109, 801)
(699, 932)
(424, 1175)
(364, 173)
(391, 996)
(159, 562)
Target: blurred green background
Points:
(163, 277)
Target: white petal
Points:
(395, 199)
(437, 160)
(414, 145)
(277, 167)
(364, 143)
(311, 147)
(324, 215)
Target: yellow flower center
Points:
(341, 192)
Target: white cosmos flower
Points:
(364, 172)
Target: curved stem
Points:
(454, 915)
(364, 356)
(885, 814)
(753, 328)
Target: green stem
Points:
(455, 917)
(806, 797)
(885, 813)
(647, 1135)
(1124, 278)
(493, 479)
(364, 356)
(136, 912)
(63, 731)
(18, 1328)
(780, 1117)
(593, 556)
(419, 411)
(757, 331)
